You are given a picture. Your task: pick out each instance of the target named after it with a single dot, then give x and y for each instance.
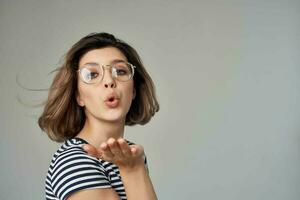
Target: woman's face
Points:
(110, 99)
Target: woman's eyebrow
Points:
(117, 60)
(91, 63)
(111, 62)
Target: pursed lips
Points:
(112, 100)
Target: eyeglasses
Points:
(92, 73)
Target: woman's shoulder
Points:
(69, 147)
(71, 153)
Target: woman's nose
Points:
(110, 85)
(108, 80)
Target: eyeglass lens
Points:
(93, 73)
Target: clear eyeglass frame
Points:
(101, 68)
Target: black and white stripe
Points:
(72, 170)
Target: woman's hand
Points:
(126, 157)
(130, 160)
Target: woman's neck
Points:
(95, 132)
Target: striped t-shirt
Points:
(72, 170)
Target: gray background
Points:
(227, 78)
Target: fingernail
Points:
(121, 140)
(103, 145)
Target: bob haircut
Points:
(63, 118)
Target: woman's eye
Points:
(121, 72)
(93, 75)
(90, 75)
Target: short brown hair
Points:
(63, 118)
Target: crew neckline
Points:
(80, 139)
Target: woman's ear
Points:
(79, 101)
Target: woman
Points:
(101, 87)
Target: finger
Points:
(133, 151)
(124, 147)
(107, 154)
(114, 147)
(137, 150)
(91, 150)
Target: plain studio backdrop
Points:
(227, 79)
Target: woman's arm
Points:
(138, 184)
(130, 160)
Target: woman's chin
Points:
(113, 115)
(114, 118)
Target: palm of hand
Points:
(118, 152)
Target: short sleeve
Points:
(74, 170)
